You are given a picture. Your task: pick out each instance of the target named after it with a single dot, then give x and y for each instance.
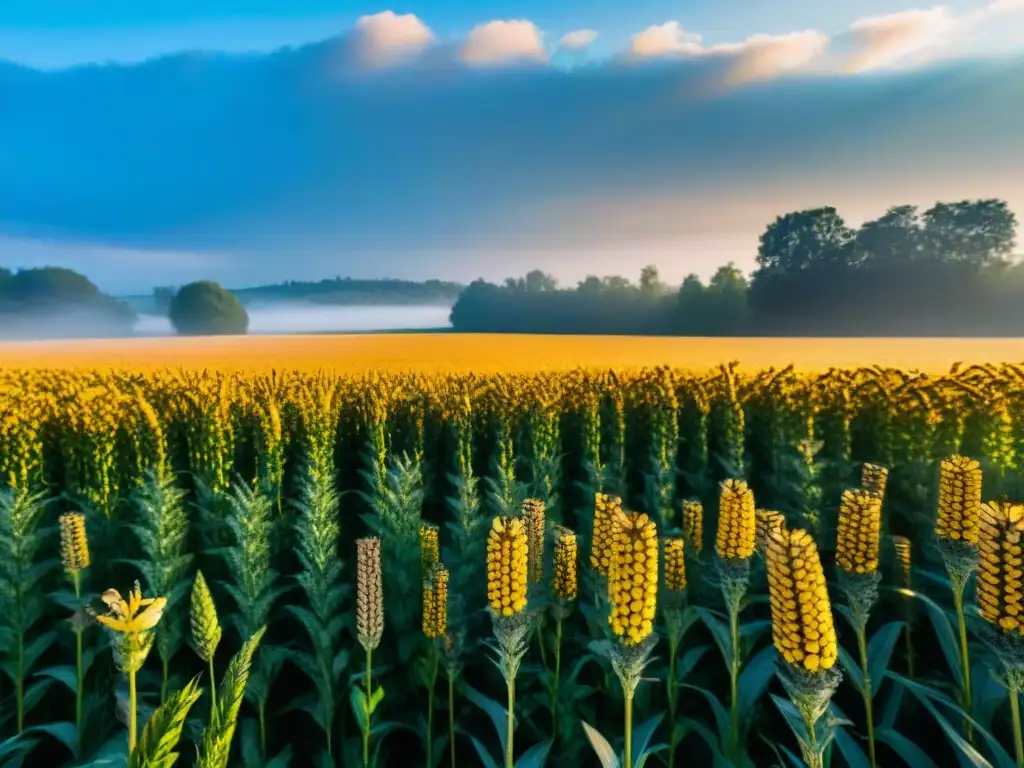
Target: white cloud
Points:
(578, 39)
(756, 58)
(503, 42)
(883, 41)
(762, 57)
(1007, 6)
(659, 40)
(388, 38)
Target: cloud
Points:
(884, 41)
(387, 38)
(503, 42)
(758, 57)
(765, 56)
(578, 39)
(281, 171)
(661, 40)
(1007, 6)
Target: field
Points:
(483, 353)
(737, 567)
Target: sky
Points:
(254, 141)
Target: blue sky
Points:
(464, 139)
(57, 33)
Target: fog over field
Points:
(308, 318)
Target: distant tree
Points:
(691, 307)
(537, 281)
(650, 283)
(590, 286)
(802, 239)
(617, 284)
(726, 301)
(976, 232)
(205, 308)
(56, 300)
(895, 237)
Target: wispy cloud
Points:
(578, 39)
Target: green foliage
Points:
(205, 308)
(162, 530)
(215, 745)
(206, 629)
(22, 600)
(253, 583)
(252, 549)
(158, 744)
(317, 545)
(396, 519)
(56, 298)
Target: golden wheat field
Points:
(487, 353)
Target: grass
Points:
(486, 353)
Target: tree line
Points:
(944, 271)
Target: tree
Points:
(895, 237)
(591, 286)
(727, 300)
(205, 308)
(801, 239)
(650, 284)
(691, 307)
(58, 302)
(617, 284)
(537, 282)
(977, 232)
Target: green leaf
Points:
(357, 697)
(892, 708)
(908, 751)
(988, 694)
(793, 718)
(602, 748)
(536, 756)
(63, 674)
(482, 752)
(794, 761)
(880, 652)
(340, 662)
(215, 745)
(944, 631)
(751, 629)
(376, 698)
(713, 743)
(719, 631)
(850, 749)
(14, 749)
(754, 679)
(65, 733)
(497, 713)
(930, 697)
(722, 719)
(852, 670)
(158, 744)
(689, 661)
(642, 734)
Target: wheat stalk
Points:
(215, 745)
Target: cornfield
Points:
(639, 568)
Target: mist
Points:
(308, 318)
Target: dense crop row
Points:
(353, 553)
